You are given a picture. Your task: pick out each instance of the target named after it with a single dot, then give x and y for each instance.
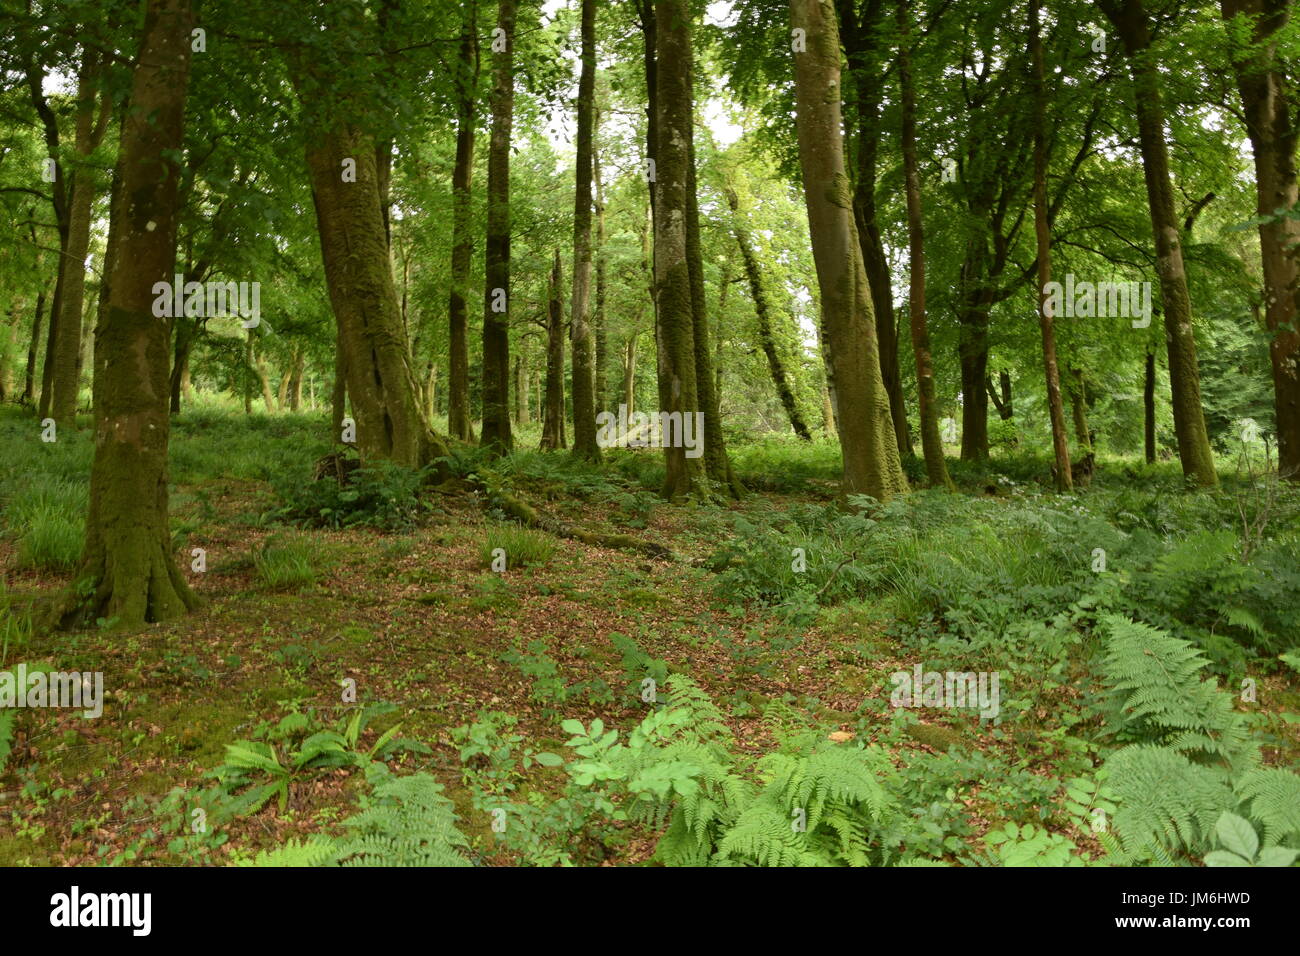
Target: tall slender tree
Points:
(496, 311)
(1134, 27)
(936, 466)
(584, 396)
(862, 414)
(462, 243)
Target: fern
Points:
(837, 775)
(1168, 805)
(406, 822)
(1272, 796)
(318, 851)
(1158, 696)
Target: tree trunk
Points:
(870, 450)
(1006, 410)
(1043, 241)
(185, 330)
(127, 563)
(717, 465)
(583, 388)
(496, 324)
(936, 466)
(767, 317)
(861, 46)
(462, 245)
(1270, 107)
(1149, 407)
(1130, 19)
(354, 248)
(602, 332)
(553, 400)
(629, 373)
(672, 267)
(29, 378)
(66, 341)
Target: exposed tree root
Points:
(530, 517)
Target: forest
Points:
(494, 433)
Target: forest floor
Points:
(419, 620)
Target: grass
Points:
(517, 547)
(286, 564)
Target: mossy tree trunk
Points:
(127, 565)
(354, 246)
(672, 270)
(870, 451)
(862, 37)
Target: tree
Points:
(936, 466)
(673, 293)
(862, 414)
(1272, 115)
(1133, 24)
(1043, 237)
(584, 396)
(496, 322)
(127, 563)
(462, 247)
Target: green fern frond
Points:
(1167, 805)
(1273, 797)
(1159, 696)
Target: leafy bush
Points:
(379, 494)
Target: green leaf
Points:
(1277, 856)
(1237, 835)
(574, 727)
(548, 759)
(1224, 858)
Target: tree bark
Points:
(29, 378)
(580, 332)
(553, 400)
(936, 466)
(389, 416)
(459, 424)
(870, 450)
(65, 343)
(496, 325)
(672, 268)
(1149, 407)
(1270, 106)
(127, 564)
(602, 331)
(1131, 21)
(1043, 241)
(862, 41)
